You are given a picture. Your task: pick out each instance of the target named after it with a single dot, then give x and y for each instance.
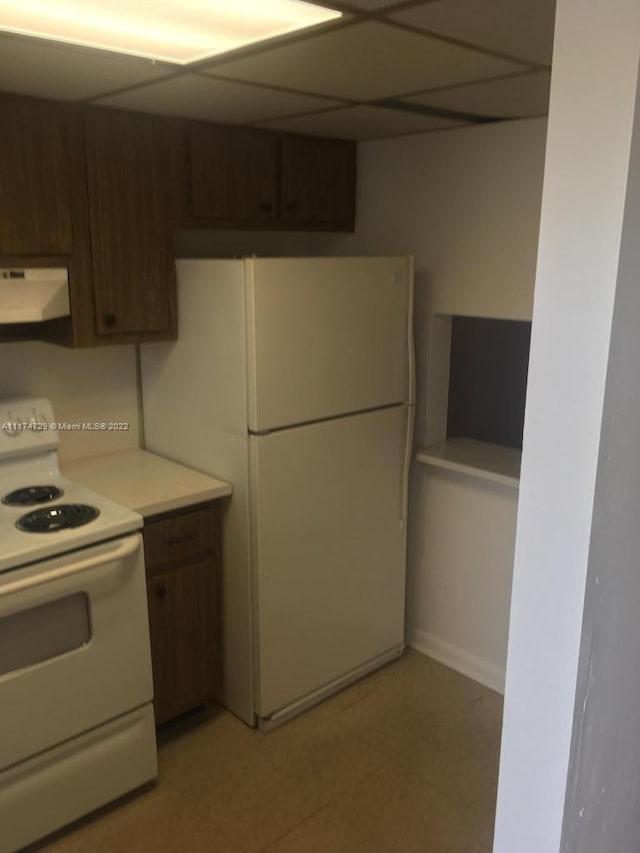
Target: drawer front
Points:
(180, 538)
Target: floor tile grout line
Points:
(338, 795)
(383, 760)
(201, 811)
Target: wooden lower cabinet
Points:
(181, 625)
(184, 609)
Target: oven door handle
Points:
(122, 550)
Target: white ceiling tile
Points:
(48, 70)
(510, 97)
(364, 62)
(361, 122)
(194, 96)
(519, 28)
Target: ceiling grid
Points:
(386, 68)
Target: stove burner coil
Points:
(32, 495)
(59, 517)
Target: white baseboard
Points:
(462, 661)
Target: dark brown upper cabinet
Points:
(102, 192)
(233, 173)
(35, 177)
(245, 176)
(318, 181)
(132, 163)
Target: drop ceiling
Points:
(384, 69)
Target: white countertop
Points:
(144, 482)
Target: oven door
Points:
(74, 646)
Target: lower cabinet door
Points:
(184, 638)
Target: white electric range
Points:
(76, 687)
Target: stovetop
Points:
(20, 547)
(32, 495)
(57, 515)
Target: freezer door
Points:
(198, 383)
(328, 551)
(326, 336)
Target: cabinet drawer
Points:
(179, 538)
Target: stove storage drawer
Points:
(183, 593)
(178, 538)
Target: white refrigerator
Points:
(293, 378)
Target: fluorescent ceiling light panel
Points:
(180, 31)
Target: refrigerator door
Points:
(328, 552)
(326, 337)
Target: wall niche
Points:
(488, 366)
(476, 396)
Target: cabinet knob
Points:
(291, 207)
(109, 319)
(266, 207)
(160, 590)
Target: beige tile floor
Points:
(405, 760)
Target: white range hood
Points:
(33, 295)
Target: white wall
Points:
(466, 204)
(593, 98)
(602, 808)
(461, 558)
(84, 385)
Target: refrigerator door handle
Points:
(411, 402)
(410, 342)
(408, 451)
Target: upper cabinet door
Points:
(131, 167)
(318, 181)
(233, 173)
(35, 178)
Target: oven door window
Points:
(44, 632)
